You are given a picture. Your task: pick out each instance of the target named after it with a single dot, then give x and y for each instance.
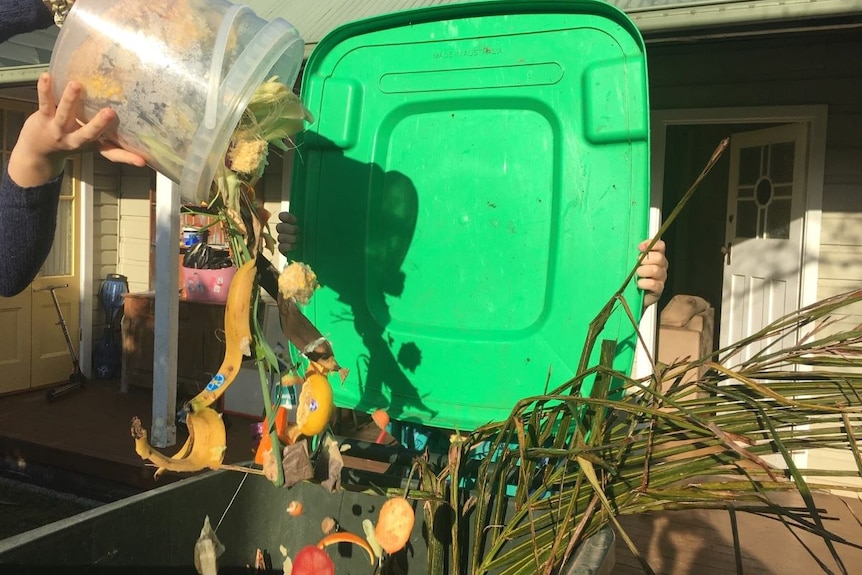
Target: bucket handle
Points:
(219, 49)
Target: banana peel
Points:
(204, 449)
(238, 337)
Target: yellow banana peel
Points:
(237, 335)
(205, 448)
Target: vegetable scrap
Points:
(329, 465)
(312, 561)
(328, 525)
(394, 524)
(298, 282)
(381, 420)
(261, 561)
(347, 537)
(368, 529)
(281, 426)
(296, 464)
(294, 509)
(207, 550)
(287, 562)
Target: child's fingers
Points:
(46, 95)
(116, 154)
(652, 271)
(654, 258)
(66, 108)
(288, 232)
(93, 130)
(658, 247)
(651, 285)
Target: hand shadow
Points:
(357, 225)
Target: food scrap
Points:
(204, 448)
(294, 509)
(347, 537)
(394, 524)
(329, 465)
(328, 525)
(315, 407)
(297, 282)
(381, 420)
(207, 550)
(312, 561)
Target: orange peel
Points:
(347, 537)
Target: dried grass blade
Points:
(590, 473)
(854, 446)
(805, 493)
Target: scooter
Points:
(77, 379)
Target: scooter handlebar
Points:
(52, 287)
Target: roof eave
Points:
(732, 14)
(21, 74)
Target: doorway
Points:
(33, 349)
(700, 262)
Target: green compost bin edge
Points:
(470, 195)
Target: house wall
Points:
(120, 229)
(134, 241)
(106, 190)
(788, 70)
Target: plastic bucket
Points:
(179, 74)
(207, 285)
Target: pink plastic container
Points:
(207, 285)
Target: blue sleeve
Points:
(20, 16)
(28, 218)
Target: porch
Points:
(82, 441)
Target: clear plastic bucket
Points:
(179, 74)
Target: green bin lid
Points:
(471, 194)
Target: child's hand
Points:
(652, 273)
(52, 132)
(288, 232)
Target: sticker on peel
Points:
(216, 382)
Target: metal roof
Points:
(27, 54)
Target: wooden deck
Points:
(87, 433)
(701, 542)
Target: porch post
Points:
(646, 350)
(85, 239)
(167, 297)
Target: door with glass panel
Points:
(50, 359)
(764, 227)
(15, 312)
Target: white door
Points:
(764, 227)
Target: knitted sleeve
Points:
(20, 16)
(28, 218)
